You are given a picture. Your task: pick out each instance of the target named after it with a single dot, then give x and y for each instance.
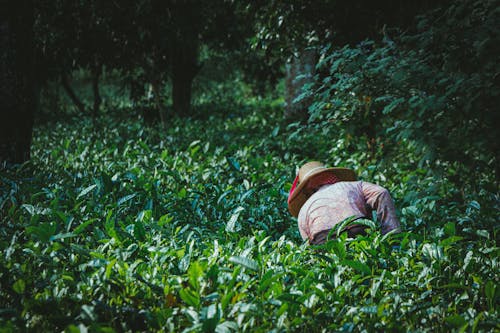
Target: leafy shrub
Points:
(436, 88)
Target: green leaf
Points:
(107, 183)
(339, 249)
(290, 297)
(165, 220)
(233, 163)
(109, 225)
(476, 322)
(341, 226)
(474, 204)
(389, 108)
(190, 297)
(184, 263)
(225, 299)
(454, 286)
(450, 240)
(60, 216)
(489, 291)
(43, 231)
(86, 190)
(139, 231)
(63, 236)
(266, 280)
(210, 317)
(456, 320)
(29, 208)
(74, 329)
(245, 262)
(126, 198)
(358, 266)
(483, 233)
(432, 251)
(19, 286)
(88, 312)
(109, 268)
(450, 229)
(246, 195)
(227, 327)
(84, 225)
(366, 222)
(376, 284)
(195, 272)
(231, 224)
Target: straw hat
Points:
(310, 176)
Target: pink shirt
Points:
(334, 203)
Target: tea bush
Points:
(187, 230)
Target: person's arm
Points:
(302, 224)
(379, 199)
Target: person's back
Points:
(324, 197)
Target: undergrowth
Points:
(135, 228)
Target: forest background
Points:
(147, 148)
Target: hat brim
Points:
(300, 196)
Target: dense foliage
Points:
(135, 229)
(437, 87)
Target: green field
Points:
(136, 228)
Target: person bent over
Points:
(323, 197)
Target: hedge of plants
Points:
(135, 228)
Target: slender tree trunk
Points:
(299, 71)
(17, 81)
(149, 108)
(185, 68)
(71, 93)
(181, 94)
(156, 88)
(96, 73)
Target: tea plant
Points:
(137, 229)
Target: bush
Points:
(436, 88)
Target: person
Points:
(322, 197)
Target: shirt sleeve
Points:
(379, 199)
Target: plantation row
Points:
(187, 230)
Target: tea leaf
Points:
(358, 266)
(245, 262)
(231, 224)
(86, 190)
(19, 286)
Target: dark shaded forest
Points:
(147, 149)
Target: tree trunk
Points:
(185, 68)
(299, 71)
(17, 81)
(71, 93)
(96, 72)
(156, 88)
(148, 109)
(181, 94)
